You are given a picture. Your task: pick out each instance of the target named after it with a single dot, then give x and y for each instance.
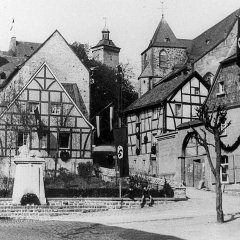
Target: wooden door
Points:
(193, 172)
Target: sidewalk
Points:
(194, 219)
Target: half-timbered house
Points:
(171, 103)
(45, 104)
(179, 152)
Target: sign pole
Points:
(120, 74)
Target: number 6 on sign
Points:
(120, 152)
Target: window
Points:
(156, 113)
(178, 109)
(64, 140)
(195, 90)
(56, 108)
(224, 169)
(33, 106)
(221, 88)
(167, 39)
(145, 60)
(163, 58)
(22, 139)
(43, 142)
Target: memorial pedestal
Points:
(28, 178)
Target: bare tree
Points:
(215, 122)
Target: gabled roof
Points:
(71, 97)
(162, 91)
(208, 40)
(20, 61)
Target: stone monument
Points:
(28, 175)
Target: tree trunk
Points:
(220, 216)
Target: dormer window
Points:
(207, 41)
(167, 39)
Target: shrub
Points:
(30, 198)
(167, 190)
(85, 170)
(4, 193)
(138, 181)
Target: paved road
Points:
(194, 219)
(51, 230)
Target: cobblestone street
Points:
(194, 219)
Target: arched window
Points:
(145, 60)
(163, 59)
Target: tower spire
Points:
(163, 8)
(105, 31)
(105, 22)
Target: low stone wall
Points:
(110, 175)
(66, 206)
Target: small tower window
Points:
(167, 39)
(145, 60)
(163, 59)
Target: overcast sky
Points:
(131, 22)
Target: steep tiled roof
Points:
(213, 36)
(9, 63)
(147, 72)
(161, 92)
(163, 32)
(164, 37)
(74, 92)
(25, 49)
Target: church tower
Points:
(164, 54)
(106, 51)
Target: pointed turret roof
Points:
(162, 33)
(164, 37)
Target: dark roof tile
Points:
(206, 41)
